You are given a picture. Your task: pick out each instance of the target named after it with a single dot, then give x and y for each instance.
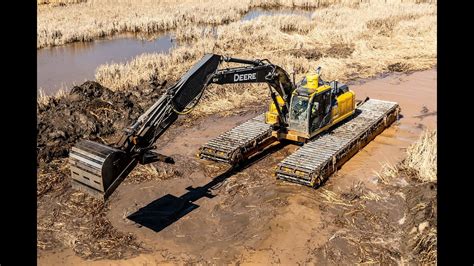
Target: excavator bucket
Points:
(98, 169)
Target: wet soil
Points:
(200, 211)
(89, 111)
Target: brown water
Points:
(416, 93)
(253, 217)
(72, 64)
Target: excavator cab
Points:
(316, 105)
(307, 108)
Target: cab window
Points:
(320, 107)
(299, 113)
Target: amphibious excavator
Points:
(322, 117)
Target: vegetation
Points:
(349, 39)
(421, 161)
(408, 234)
(348, 42)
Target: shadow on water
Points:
(168, 209)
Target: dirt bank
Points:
(247, 216)
(91, 111)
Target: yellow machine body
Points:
(315, 97)
(271, 117)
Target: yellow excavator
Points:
(315, 106)
(298, 112)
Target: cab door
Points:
(320, 114)
(299, 113)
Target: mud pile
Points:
(89, 111)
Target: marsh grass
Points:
(421, 160)
(65, 21)
(348, 42)
(349, 39)
(43, 99)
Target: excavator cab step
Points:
(98, 169)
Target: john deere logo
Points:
(242, 77)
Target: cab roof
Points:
(304, 91)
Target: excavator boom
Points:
(98, 169)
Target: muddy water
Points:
(62, 66)
(252, 217)
(416, 94)
(255, 13)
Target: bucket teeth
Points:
(98, 169)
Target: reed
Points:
(348, 42)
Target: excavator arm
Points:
(259, 71)
(98, 169)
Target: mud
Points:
(89, 111)
(383, 227)
(199, 211)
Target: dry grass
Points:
(421, 160)
(43, 99)
(143, 173)
(425, 244)
(59, 22)
(420, 165)
(332, 197)
(343, 40)
(387, 173)
(55, 3)
(95, 19)
(349, 39)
